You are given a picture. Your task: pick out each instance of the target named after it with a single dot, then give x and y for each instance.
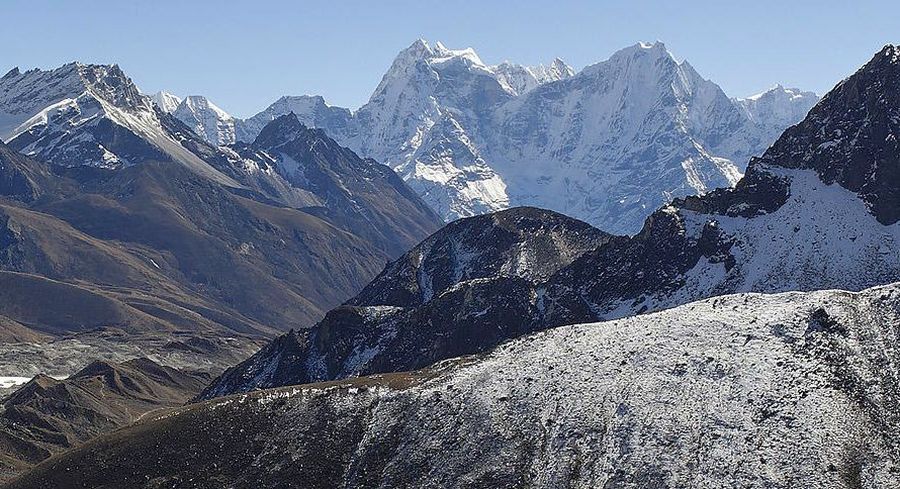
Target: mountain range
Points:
(516, 347)
(94, 116)
(606, 145)
(817, 211)
(124, 234)
(749, 389)
(115, 216)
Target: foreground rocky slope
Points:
(46, 415)
(818, 210)
(749, 390)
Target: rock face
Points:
(432, 303)
(796, 389)
(852, 139)
(606, 145)
(360, 195)
(46, 416)
(796, 221)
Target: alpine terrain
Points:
(606, 145)
(487, 275)
(124, 234)
(47, 415)
(818, 210)
(788, 390)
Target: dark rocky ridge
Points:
(464, 289)
(523, 242)
(851, 136)
(361, 195)
(783, 227)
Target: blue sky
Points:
(243, 55)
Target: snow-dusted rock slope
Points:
(749, 390)
(90, 115)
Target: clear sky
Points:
(244, 55)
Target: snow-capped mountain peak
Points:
(24, 96)
(520, 79)
(441, 52)
(644, 57)
(656, 49)
(817, 211)
(166, 101)
(206, 119)
(607, 144)
(88, 115)
(417, 52)
(311, 110)
(777, 108)
(418, 49)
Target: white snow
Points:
(8, 382)
(206, 119)
(607, 145)
(166, 101)
(58, 103)
(773, 110)
(823, 237)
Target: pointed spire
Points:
(11, 73)
(417, 50)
